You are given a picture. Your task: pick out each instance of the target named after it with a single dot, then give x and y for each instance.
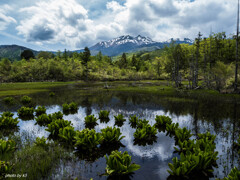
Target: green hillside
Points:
(12, 52)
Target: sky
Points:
(74, 24)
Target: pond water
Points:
(219, 117)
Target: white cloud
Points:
(115, 6)
(68, 22)
(163, 19)
(4, 19)
(57, 21)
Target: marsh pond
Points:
(219, 116)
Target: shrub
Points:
(119, 120)
(111, 135)
(88, 140)
(119, 163)
(161, 122)
(104, 116)
(55, 126)
(8, 101)
(26, 113)
(90, 121)
(133, 121)
(67, 135)
(40, 110)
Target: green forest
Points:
(207, 63)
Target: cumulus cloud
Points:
(57, 21)
(75, 24)
(115, 6)
(163, 19)
(4, 19)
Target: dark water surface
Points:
(217, 116)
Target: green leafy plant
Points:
(119, 120)
(182, 134)
(8, 101)
(88, 140)
(5, 168)
(51, 94)
(41, 142)
(7, 121)
(40, 110)
(70, 108)
(133, 121)
(7, 114)
(56, 115)
(6, 147)
(25, 100)
(43, 119)
(90, 121)
(104, 116)
(197, 157)
(207, 135)
(65, 108)
(26, 113)
(233, 175)
(142, 123)
(119, 163)
(197, 163)
(111, 135)
(73, 107)
(67, 135)
(56, 125)
(161, 122)
(145, 135)
(171, 129)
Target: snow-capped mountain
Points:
(139, 40)
(129, 43)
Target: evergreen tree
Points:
(123, 61)
(85, 59)
(27, 54)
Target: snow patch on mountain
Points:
(138, 40)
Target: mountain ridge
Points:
(129, 43)
(112, 47)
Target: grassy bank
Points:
(11, 89)
(157, 87)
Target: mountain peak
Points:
(126, 39)
(127, 43)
